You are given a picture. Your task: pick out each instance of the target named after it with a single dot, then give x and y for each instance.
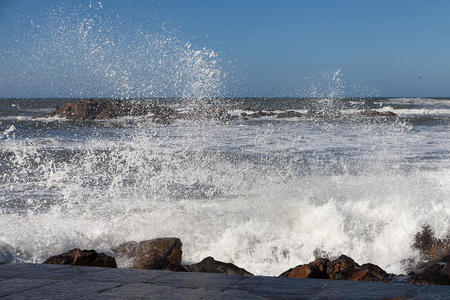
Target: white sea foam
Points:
(227, 194)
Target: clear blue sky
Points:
(268, 48)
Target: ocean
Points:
(263, 193)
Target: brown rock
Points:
(345, 268)
(210, 265)
(79, 257)
(89, 109)
(430, 247)
(157, 254)
(336, 267)
(366, 272)
(315, 269)
(342, 268)
(437, 272)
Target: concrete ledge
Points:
(37, 281)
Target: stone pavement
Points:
(37, 281)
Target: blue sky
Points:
(267, 48)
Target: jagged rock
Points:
(365, 272)
(157, 254)
(210, 265)
(79, 257)
(315, 269)
(342, 268)
(437, 272)
(89, 109)
(374, 113)
(337, 266)
(430, 247)
(347, 269)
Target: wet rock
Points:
(336, 267)
(79, 257)
(429, 246)
(156, 254)
(89, 109)
(437, 272)
(342, 268)
(210, 265)
(430, 249)
(374, 113)
(345, 268)
(315, 269)
(366, 272)
(290, 114)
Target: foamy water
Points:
(261, 194)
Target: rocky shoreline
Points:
(166, 254)
(90, 109)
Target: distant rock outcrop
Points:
(374, 113)
(79, 257)
(89, 109)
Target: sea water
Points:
(266, 193)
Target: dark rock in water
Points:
(210, 265)
(156, 254)
(433, 266)
(430, 247)
(79, 257)
(290, 114)
(90, 109)
(342, 268)
(431, 250)
(437, 272)
(315, 269)
(374, 113)
(425, 240)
